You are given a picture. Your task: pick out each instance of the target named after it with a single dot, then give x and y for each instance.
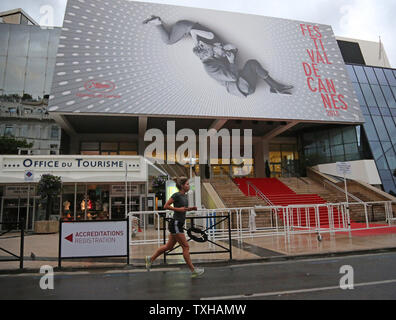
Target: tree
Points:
(10, 145)
(48, 188)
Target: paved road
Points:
(374, 278)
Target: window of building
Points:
(391, 157)
(9, 131)
(351, 52)
(351, 73)
(359, 94)
(385, 112)
(386, 146)
(368, 95)
(360, 74)
(374, 111)
(335, 137)
(390, 99)
(24, 131)
(349, 135)
(371, 75)
(390, 76)
(108, 148)
(365, 110)
(370, 129)
(379, 125)
(389, 185)
(390, 126)
(376, 149)
(394, 91)
(381, 163)
(381, 76)
(54, 132)
(89, 148)
(379, 96)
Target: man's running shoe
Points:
(148, 263)
(197, 272)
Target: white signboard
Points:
(119, 189)
(29, 176)
(344, 168)
(94, 239)
(18, 191)
(72, 168)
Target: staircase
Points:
(174, 170)
(280, 194)
(233, 197)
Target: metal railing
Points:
(258, 193)
(9, 227)
(263, 221)
(350, 195)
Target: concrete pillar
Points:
(74, 144)
(142, 131)
(260, 155)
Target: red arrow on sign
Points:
(70, 237)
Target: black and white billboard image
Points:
(126, 57)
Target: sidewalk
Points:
(45, 250)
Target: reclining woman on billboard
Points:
(219, 58)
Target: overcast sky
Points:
(361, 19)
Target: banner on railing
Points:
(91, 239)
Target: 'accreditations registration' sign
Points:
(94, 239)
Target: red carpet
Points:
(281, 195)
(370, 232)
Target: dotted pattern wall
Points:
(105, 42)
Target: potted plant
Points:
(49, 187)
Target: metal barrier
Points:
(10, 226)
(206, 238)
(262, 221)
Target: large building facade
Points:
(298, 96)
(27, 61)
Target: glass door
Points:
(284, 160)
(275, 164)
(148, 204)
(10, 212)
(26, 212)
(117, 209)
(16, 209)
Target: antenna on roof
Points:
(380, 49)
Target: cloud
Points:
(367, 20)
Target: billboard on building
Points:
(126, 57)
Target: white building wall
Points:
(362, 170)
(371, 52)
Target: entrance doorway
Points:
(284, 160)
(15, 209)
(233, 169)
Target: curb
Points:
(207, 264)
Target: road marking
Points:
(142, 270)
(303, 260)
(268, 294)
(95, 272)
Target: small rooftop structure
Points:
(17, 16)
